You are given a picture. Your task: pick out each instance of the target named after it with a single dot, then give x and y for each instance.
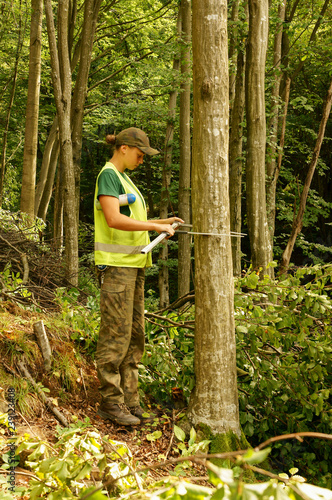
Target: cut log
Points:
(43, 344)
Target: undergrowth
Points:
(284, 359)
(83, 464)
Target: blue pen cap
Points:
(126, 199)
(131, 198)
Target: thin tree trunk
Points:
(32, 112)
(297, 223)
(164, 200)
(275, 171)
(47, 192)
(214, 400)
(233, 51)
(256, 135)
(236, 163)
(91, 10)
(58, 212)
(271, 169)
(61, 76)
(184, 252)
(44, 171)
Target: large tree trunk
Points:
(61, 76)
(214, 400)
(256, 135)
(184, 252)
(297, 223)
(32, 111)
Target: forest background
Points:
(136, 71)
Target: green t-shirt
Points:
(109, 184)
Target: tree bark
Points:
(47, 192)
(236, 163)
(233, 51)
(256, 135)
(58, 212)
(164, 199)
(91, 10)
(32, 111)
(271, 163)
(214, 400)
(184, 252)
(297, 223)
(61, 76)
(45, 173)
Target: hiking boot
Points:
(118, 413)
(143, 415)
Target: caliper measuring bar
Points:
(175, 225)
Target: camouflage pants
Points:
(120, 345)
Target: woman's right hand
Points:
(164, 228)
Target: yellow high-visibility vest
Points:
(114, 247)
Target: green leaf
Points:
(256, 457)
(179, 433)
(192, 436)
(154, 436)
(84, 472)
(96, 496)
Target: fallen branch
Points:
(44, 398)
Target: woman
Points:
(120, 234)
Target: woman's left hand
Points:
(171, 220)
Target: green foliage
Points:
(82, 461)
(84, 318)
(283, 331)
(167, 363)
(284, 342)
(65, 470)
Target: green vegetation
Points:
(283, 331)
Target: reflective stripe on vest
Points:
(114, 247)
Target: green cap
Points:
(135, 137)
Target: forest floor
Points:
(73, 390)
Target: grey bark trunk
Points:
(256, 135)
(271, 163)
(32, 111)
(91, 9)
(184, 252)
(45, 167)
(47, 192)
(236, 163)
(214, 400)
(163, 279)
(58, 213)
(61, 76)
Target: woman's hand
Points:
(164, 228)
(165, 225)
(171, 220)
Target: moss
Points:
(223, 443)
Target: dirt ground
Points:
(81, 401)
